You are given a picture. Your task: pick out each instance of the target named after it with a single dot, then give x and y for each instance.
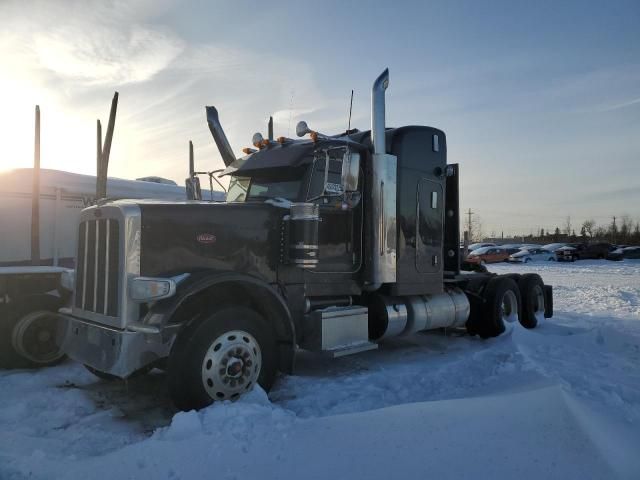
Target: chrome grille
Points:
(97, 268)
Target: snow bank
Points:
(560, 401)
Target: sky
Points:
(540, 100)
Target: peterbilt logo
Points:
(206, 238)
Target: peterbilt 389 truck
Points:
(327, 243)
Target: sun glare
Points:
(67, 141)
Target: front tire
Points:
(220, 357)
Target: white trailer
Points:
(32, 288)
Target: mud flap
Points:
(548, 301)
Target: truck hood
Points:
(187, 236)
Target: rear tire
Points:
(221, 357)
(29, 333)
(501, 306)
(532, 304)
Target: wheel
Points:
(501, 306)
(29, 333)
(527, 260)
(513, 276)
(532, 305)
(220, 357)
(551, 259)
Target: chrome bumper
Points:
(114, 351)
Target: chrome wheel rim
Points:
(34, 337)
(538, 303)
(509, 307)
(231, 365)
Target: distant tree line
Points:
(621, 230)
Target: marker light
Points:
(281, 139)
(248, 150)
(147, 289)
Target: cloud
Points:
(105, 55)
(69, 56)
(617, 106)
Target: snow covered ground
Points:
(561, 401)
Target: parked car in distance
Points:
(580, 251)
(517, 246)
(552, 247)
(625, 252)
(511, 250)
(532, 255)
(488, 255)
(475, 246)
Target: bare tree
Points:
(626, 227)
(567, 225)
(476, 233)
(589, 227)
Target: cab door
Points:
(340, 228)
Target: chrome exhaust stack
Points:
(226, 152)
(383, 230)
(378, 112)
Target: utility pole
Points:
(35, 195)
(614, 230)
(469, 225)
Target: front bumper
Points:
(111, 350)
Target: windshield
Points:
(263, 188)
(237, 189)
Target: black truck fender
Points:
(229, 288)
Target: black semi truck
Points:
(326, 243)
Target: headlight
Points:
(148, 289)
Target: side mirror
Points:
(350, 171)
(192, 185)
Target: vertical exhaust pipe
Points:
(378, 112)
(192, 163)
(226, 152)
(381, 247)
(270, 129)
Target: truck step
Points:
(337, 331)
(351, 349)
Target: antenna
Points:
(350, 109)
(290, 114)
